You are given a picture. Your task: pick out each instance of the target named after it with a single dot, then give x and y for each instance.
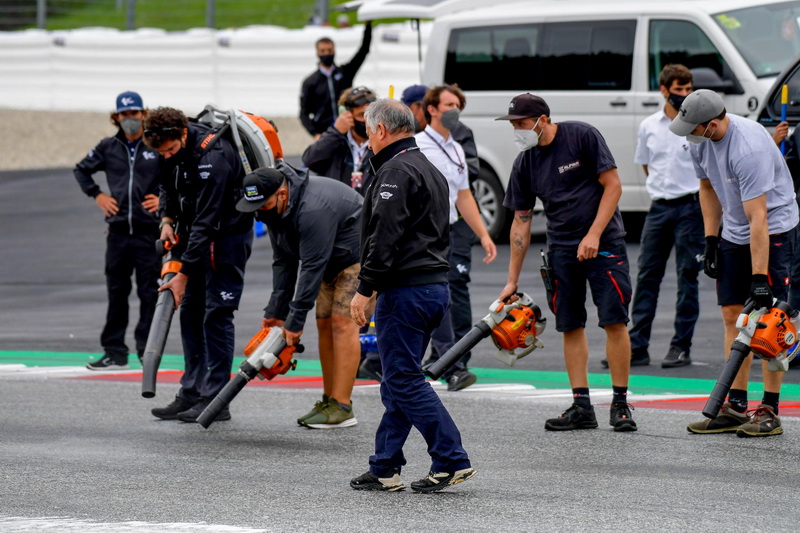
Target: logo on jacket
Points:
(568, 167)
(386, 195)
(226, 295)
(204, 175)
(149, 155)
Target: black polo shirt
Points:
(564, 175)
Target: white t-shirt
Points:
(447, 156)
(743, 165)
(670, 173)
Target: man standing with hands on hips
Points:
(745, 185)
(404, 240)
(569, 167)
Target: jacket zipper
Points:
(132, 161)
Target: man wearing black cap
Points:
(313, 225)
(569, 167)
(201, 181)
(342, 152)
(131, 171)
(321, 89)
(746, 186)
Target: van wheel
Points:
(489, 195)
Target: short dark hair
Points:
(718, 117)
(164, 124)
(434, 96)
(323, 40)
(674, 72)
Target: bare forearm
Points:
(520, 241)
(469, 211)
(712, 209)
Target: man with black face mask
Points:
(674, 221)
(201, 181)
(320, 90)
(130, 208)
(314, 227)
(342, 152)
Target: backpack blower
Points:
(770, 333)
(267, 356)
(514, 327)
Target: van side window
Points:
(570, 56)
(679, 41)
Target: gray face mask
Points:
(450, 118)
(131, 126)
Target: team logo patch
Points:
(251, 194)
(127, 100)
(204, 175)
(386, 195)
(149, 155)
(226, 295)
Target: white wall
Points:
(259, 69)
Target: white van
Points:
(594, 61)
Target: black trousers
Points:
(127, 254)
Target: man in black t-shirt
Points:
(569, 168)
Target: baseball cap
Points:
(524, 106)
(699, 107)
(413, 94)
(258, 186)
(359, 96)
(129, 101)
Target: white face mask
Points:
(527, 139)
(698, 139)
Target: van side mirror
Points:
(706, 78)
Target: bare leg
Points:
(618, 353)
(576, 357)
(346, 357)
(325, 332)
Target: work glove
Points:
(711, 257)
(760, 293)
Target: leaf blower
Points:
(514, 328)
(267, 356)
(770, 333)
(162, 318)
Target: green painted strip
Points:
(537, 378)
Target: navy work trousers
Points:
(207, 318)
(681, 226)
(405, 318)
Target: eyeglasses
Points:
(160, 131)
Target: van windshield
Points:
(768, 36)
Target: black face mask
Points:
(675, 100)
(269, 217)
(326, 60)
(360, 127)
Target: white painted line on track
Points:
(63, 524)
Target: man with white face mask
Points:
(746, 186)
(569, 167)
(130, 205)
(442, 106)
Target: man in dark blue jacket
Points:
(404, 245)
(313, 225)
(131, 171)
(201, 181)
(321, 89)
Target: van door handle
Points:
(650, 104)
(619, 103)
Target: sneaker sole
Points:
(678, 364)
(344, 424)
(585, 425)
(454, 481)
(378, 487)
(731, 429)
(625, 426)
(746, 434)
(111, 367)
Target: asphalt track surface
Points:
(79, 451)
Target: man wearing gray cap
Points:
(746, 187)
(314, 227)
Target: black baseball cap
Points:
(524, 106)
(259, 185)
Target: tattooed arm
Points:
(520, 240)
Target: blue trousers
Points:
(207, 318)
(667, 226)
(405, 318)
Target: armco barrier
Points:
(256, 68)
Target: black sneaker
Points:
(436, 481)
(460, 380)
(109, 362)
(638, 358)
(370, 370)
(621, 417)
(576, 417)
(191, 414)
(171, 411)
(369, 481)
(676, 357)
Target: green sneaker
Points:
(333, 415)
(319, 406)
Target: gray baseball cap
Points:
(698, 108)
